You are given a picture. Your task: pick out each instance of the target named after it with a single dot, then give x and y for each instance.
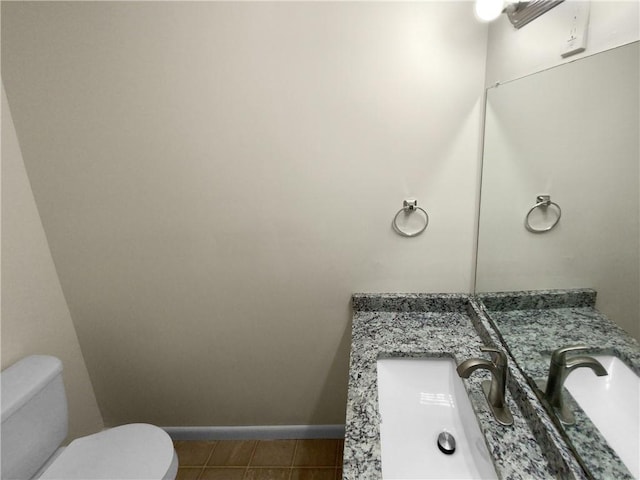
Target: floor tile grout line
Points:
(253, 452)
(293, 459)
(215, 445)
(295, 451)
(201, 472)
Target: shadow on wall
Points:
(335, 382)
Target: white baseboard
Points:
(258, 432)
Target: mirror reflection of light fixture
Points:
(519, 13)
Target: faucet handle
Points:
(558, 355)
(498, 357)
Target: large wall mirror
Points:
(570, 132)
(569, 135)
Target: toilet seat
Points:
(136, 451)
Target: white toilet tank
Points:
(34, 415)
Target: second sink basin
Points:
(418, 399)
(612, 402)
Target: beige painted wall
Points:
(216, 179)
(35, 317)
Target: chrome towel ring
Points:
(409, 207)
(543, 202)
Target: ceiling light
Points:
(488, 10)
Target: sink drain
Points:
(446, 443)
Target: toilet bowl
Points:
(34, 425)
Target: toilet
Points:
(34, 425)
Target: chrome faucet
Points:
(559, 369)
(495, 389)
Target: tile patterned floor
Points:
(260, 459)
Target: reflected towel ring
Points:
(409, 207)
(542, 201)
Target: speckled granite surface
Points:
(533, 324)
(523, 300)
(421, 325)
(553, 443)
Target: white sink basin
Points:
(418, 399)
(613, 405)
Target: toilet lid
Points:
(131, 452)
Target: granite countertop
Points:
(533, 324)
(423, 325)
